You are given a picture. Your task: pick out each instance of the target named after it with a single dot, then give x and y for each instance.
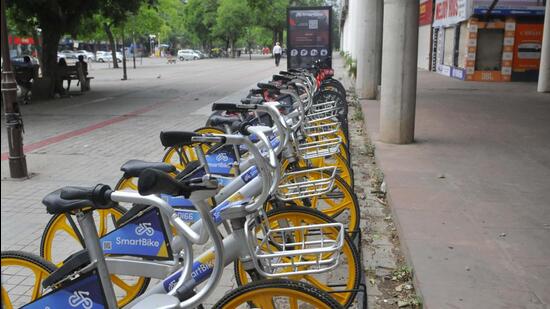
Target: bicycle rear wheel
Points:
(62, 237)
(277, 293)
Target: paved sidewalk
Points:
(472, 195)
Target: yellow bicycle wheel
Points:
(346, 276)
(277, 293)
(62, 237)
(22, 276)
(181, 156)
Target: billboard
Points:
(425, 12)
(450, 12)
(527, 47)
(309, 35)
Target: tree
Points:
(200, 19)
(115, 13)
(55, 18)
(232, 19)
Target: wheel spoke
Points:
(37, 288)
(121, 284)
(293, 303)
(69, 230)
(265, 302)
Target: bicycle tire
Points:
(40, 264)
(319, 299)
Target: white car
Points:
(88, 56)
(107, 56)
(187, 54)
(67, 54)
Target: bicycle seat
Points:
(71, 264)
(132, 168)
(218, 120)
(267, 86)
(282, 78)
(69, 199)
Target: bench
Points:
(75, 72)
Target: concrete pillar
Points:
(544, 70)
(399, 70)
(359, 29)
(351, 28)
(369, 57)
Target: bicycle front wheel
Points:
(277, 293)
(342, 282)
(22, 271)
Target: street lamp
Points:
(14, 121)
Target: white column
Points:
(353, 27)
(399, 70)
(369, 57)
(544, 70)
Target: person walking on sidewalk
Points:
(277, 51)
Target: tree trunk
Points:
(50, 41)
(232, 42)
(280, 37)
(38, 48)
(107, 29)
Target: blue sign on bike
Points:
(85, 292)
(142, 236)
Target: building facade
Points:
(473, 41)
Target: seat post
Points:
(91, 240)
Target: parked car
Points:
(88, 56)
(187, 54)
(15, 61)
(67, 54)
(107, 56)
(201, 54)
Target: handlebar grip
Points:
(176, 138)
(153, 181)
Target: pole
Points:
(369, 58)
(14, 121)
(124, 75)
(544, 69)
(399, 71)
(134, 48)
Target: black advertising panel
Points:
(309, 36)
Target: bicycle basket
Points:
(294, 250)
(306, 183)
(316, 130)
(322, 114)
(319, 148)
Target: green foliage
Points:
(233, 16)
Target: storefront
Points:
(425, 34)
(473, 43)
(449, 37)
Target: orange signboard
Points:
(527, 47)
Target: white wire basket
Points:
(321, 114)
(316, 130)
(293, 250)
(319, 148)
(315, 107)
(306, 183)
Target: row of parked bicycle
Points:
(266, 185)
